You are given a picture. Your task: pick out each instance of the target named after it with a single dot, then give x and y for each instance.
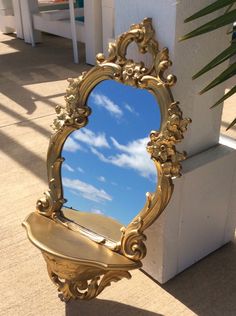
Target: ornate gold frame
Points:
(161, 148)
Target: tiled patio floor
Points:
(32, 82)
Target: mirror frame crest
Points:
(74, 115)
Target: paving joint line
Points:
(27, 120)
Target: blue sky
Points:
(107, 169)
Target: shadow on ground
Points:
(209, 287)
(22, 65)
(49, 61)
(25, 59)
(104, 308)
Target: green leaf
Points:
(228, 73)
(226, 96)
(209, 9)
(221, 21)
(229, 7)
(231, 124)
(226, 54)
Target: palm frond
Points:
(211, 8)
(231, 124)
(223, 56)
(229, 7)
(227, 18)
(228, 73)
(226, 96)
(220, 21)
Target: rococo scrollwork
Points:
(162, 148)
(65, 277)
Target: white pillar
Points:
(28, 8)
(73, 31)
(18, 18)
(107, 23)
(93, 29)
(7, 21)
(200, 217)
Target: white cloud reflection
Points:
(86, 190)
(67, 167)
(106, 103)
(71, 145)
(80, 169)
(90, 138)
(131, 109)
(102, 179)
(133, 156)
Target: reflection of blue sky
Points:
(107, 169)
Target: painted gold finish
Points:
(80, 261)
(90, 221)
(78, 266)
(82, 289)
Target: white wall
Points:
(201, 214)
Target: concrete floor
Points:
(32, 82)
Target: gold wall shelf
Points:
(80, 261)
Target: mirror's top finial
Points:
(143, 34)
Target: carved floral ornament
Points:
(75, 114)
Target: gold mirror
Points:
(111, 161)
(107, 169)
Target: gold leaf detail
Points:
(132, 241)
(73, 113)
(71, 281)
(162, 144)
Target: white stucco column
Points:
(201, 215)
(28, 8)
(107, 23)
(93, 29)
(7, 22)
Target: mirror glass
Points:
(107, 170)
